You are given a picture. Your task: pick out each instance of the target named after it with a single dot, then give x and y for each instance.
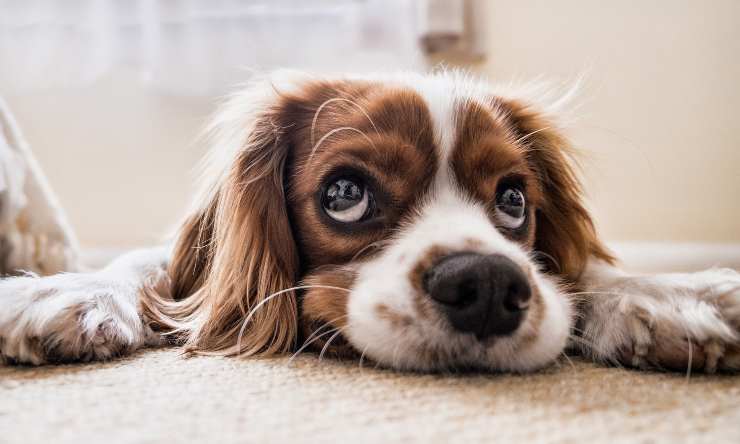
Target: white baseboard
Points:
(676, 256)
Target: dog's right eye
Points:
(347, 200)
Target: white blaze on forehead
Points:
(445, 95)
(441, 100)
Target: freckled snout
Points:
(486, 295)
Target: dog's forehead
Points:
(409, 133)
(418, 145)
(473, 139)
(441, 116)
(444, 104)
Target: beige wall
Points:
(659, 122)
(119, 157)
(660, 115)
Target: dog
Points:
(425, 222)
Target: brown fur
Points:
(484, 153)
(398, 157)
(324, 309)
(395, 319)
(234, 254)
(536, 313)
(424, 307)
(238, 249)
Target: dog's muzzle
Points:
(486, 295)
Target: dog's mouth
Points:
(427, 346)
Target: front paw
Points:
(67, 317)
(676, 322)
(679, 338)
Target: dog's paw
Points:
(678, 338)
(676, 321)
(68, 317)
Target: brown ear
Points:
(564, 229)
(235, 252)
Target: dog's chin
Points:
(394, 340)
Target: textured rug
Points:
(159, 396)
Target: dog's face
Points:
(427, 222)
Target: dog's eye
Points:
(510, 208)
(346, 200)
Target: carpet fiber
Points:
(159, 396)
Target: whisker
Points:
(586, 344)
(530, 134)
(691, 348)
(582, 341)
(395, 353)
(326, 346)
(307, 344)
(583, 296)
(362, 357)
(613, 293)
(270, 297)
(570, 361)
(334, 131)
(578, 330)
(328, 323)
(691, 360)
(313, 337)
(548, 256)
(614, 362)
(338, 99)
(375, 244)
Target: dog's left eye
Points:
(346, 200)
(510, 208)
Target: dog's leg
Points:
(675, 321)
(80, 316)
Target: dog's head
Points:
(425, 222)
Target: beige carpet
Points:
(158, 396)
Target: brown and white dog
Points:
(424, 222)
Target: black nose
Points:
(484, 295)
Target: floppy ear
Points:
(564, 229)
(236, 250)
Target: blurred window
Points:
(201, 47)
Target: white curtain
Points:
(199, 47)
